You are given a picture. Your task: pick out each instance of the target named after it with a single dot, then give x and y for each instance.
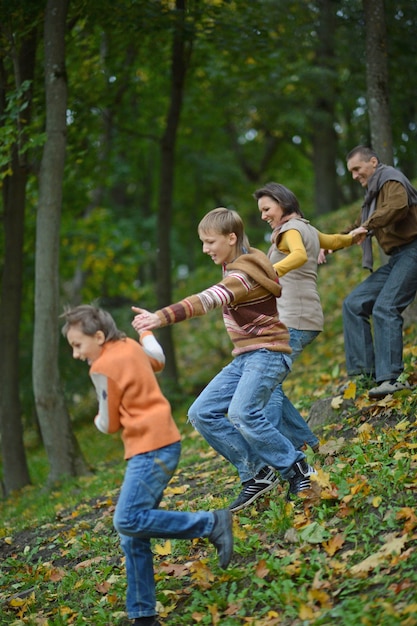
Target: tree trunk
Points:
(61, 447)
(15, 469)
(324, 140)
(179, 63)
(377, 84)
(377, 79)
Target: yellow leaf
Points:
(319, 596)
(322, 478)
(393, 546)
(365, 428)
(65, 610)
(306, 612)
(176, 490)
(368, 564)
(334, 544)
(350, 391)
(164, 549)
(376, 501)
(336, 402)
(202, 574)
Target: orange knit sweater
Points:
(130, 398)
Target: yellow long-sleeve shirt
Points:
(291, 244)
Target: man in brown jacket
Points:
(389, 213)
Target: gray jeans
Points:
(377, 349)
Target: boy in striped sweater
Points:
(232, 411)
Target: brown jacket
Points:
(394, 222)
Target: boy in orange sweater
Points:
(130, 400)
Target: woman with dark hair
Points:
(294, 253)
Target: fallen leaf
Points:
(393, 546)
(350, 391)
(88, 562)
(306, 612)
(334, 544)
(202, 574)
(174, 491)
(332, 446)
(336, 402)
(314, 533)
(163, 549)
(103, 587)
(262, 569)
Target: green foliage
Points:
(14, 131)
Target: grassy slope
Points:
(344, 555)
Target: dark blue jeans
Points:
(377, 349)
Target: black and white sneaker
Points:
(263, 482)
(300, 480)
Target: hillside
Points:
(344, 554)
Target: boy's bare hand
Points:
(144, 320)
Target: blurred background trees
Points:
(173, 107)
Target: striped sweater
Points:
(247, 295)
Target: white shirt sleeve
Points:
(101, 420)
(152, 347)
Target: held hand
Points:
(358, 234)
(145, 320)
(322, 256)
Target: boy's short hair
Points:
(224, 222)
(91, 319)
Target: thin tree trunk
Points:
(324, 140)
(377, 84)
(179, 63)
(15, 469)
(377, 79)
(61, 447)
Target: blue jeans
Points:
(230, 414)
(383, 295)
(281, 411)
(137, 519)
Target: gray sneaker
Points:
(387, 387)
(222, 536)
